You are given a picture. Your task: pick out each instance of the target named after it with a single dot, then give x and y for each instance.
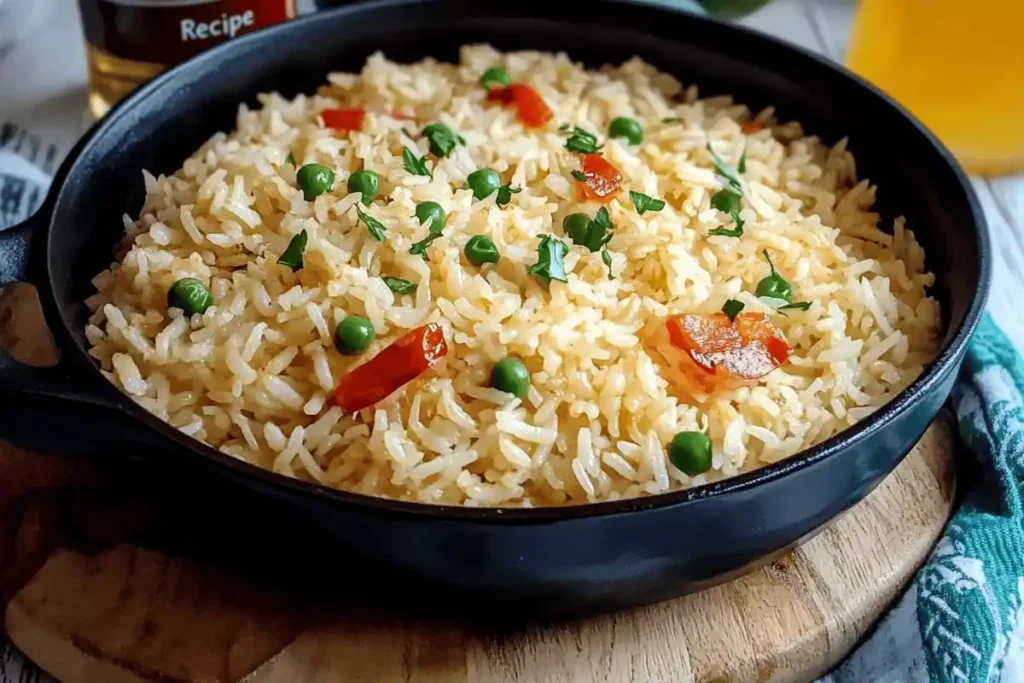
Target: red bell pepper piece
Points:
(748, 348)
(531, 109)
(502, 95)
(344, 119)
(603, 179)
(403, 361)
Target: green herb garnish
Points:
(505, 193)
(580, 176)
(727, 201)
(593, 234)
(290, 159)
(549, 265)
(442, 139)
(582, 141)
(799, 305)
(415, 165)
(292, 256)
(732, 308)
(736, 231)
(376, 228)
(644, 203)
(727, 172)
(399, 286)
(607, 258)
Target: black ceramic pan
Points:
(560, 560)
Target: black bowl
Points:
(548, 561)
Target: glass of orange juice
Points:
(958, 65)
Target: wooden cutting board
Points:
(87, 602)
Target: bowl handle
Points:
(15, 262)
(14, 250)
(33, 399)
(15, 259)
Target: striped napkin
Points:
(23, 182)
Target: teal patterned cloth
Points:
(962, 619)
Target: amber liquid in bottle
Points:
(111, 78)
(130, 41)
(958, 66)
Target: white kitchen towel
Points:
(42, 101)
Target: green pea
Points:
(576, 224)
(511, 376)
(495, 75)
(353, 334)
(432, 215)
(691, 452)
(481, 249)
(190, 295)
(314, 180)
(774, 285)
(365, 182)
(484, 182)
(623, 127)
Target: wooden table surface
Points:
(820, 25)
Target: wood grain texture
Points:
(125, 614)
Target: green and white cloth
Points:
(962, 618)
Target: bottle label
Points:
(170, 31)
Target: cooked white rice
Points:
(253, 375)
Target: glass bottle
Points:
(958, 66)
(130, 41)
